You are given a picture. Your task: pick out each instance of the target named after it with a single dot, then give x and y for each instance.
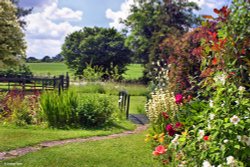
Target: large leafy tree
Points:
(151, 21)
(102, 47)
(12, 43)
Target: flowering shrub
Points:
(20, 109)
(212, 128)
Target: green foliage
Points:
(166, 17)
(92, 73)
(96, 46)
(20, 71)
(60, 110)
(12, 44)
(95, 110)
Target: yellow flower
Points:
(184, 133)
(155, 137)
(161, 135)
(147, 139)
(161, 139)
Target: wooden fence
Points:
(35, 83)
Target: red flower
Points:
(159, 150)
(206, 138)
(243, 51)
(178, 125)
(178, 98)
(165, 115)
(214, 61)
(170, 130)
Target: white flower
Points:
(211, 116)
(175, 140)
(201, 134)
(241, 89)
(235, 119)
(246, 140)
(239, 137)
(230, 160)
(237, 102)
(158, 63)
(220, 79)
(211, 103)
(209, 125)
(223, 104)
(206, 164)
(225, 141)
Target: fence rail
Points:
(38, 83)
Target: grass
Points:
(123, 152)
(112, 88)
(49, 69)
(15, 137)
(137, 103)
(135, 71)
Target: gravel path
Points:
(22, 151)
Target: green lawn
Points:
(11, 137)
(112, 88)
(45, 69)
(134, 71)
(129, 151)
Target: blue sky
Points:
(52, 20)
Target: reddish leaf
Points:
(207, 16)
(216, 11)
(214, 61)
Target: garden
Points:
(189, 75)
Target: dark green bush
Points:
(95, 110)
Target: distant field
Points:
(134, 71)
(42, 69)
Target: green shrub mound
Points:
(95, 110)
(67, 110)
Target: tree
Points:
(151, 21)
(12, 43)
(46, 59)
(32, 60)
(102, 47)
(57, 58)
(21, 12)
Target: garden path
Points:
(23, 151)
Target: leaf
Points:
(216, 11)
(207, 17)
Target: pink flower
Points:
(178, 98)
(178, 125)
(170, 130)
(159, 150)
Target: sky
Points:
(52, 20)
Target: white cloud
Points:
(47, 28)
(116, 16)
(207, 6)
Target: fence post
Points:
(128, 104)
(54, 82)
(23, 84)
(67, 80)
